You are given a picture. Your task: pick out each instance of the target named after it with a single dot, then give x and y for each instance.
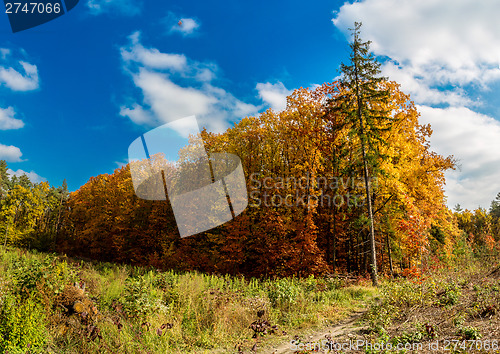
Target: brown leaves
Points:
(488, 312)
(163, 327)
(93, 332)
(262, 327)
(117, 323)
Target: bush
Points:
(282, 292)
(409, 337)
(469, 333)
(140, 300)
(21, 325)
(315, 285)
(450, 296)
(420, 333)
(404, 293)
(46, 275)
(380, 316)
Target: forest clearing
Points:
(347, 243)
(53, 304)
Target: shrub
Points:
(21, 325)
(469, 333)
(315, 285)
(140, 300)
(379, 316)
(420, 333)
(46, 275)
(450, 296)
(409, 337)
(404, 293)
(282, 292)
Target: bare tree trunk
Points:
(334, 241)
(389, 255)
(373, 252)
(328, 249)
(349, 254)
(382, 260)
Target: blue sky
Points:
(75, 92)
(73, 106)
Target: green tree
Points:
(362, 101)
(25, 182)
(4, 179)
(495, 207)
(21, 210)
(495, 217)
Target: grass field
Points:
(60, 305)
(54, 304)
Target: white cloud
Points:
(35, 178)
(156, 60)
(442, 43)
(137, 114)
(123, 7)
(441, 52)
(174, 92)
(169, 101)
(152, 57)
(185, 127)
(7, 120)
(473, 139)
(185, 26)
(273, 94)
(17, 81)
(136, 56)
(416, 84)
(10, 153)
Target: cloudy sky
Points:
(75, 92)
(446, 55)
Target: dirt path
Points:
(346, 328)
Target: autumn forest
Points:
(310, 210)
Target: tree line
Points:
(342, 180)
(30, 214)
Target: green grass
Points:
(137, 310)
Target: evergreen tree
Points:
(4, 179)
(25, 182)
(63, 190)
(14, 181)
(495, 207)
(362, 102)
(495, 217)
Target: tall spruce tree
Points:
(4, 179)
(362, 101)
(495, 207)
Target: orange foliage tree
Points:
(305, 213)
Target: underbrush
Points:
(54, 304)
(455, 305)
